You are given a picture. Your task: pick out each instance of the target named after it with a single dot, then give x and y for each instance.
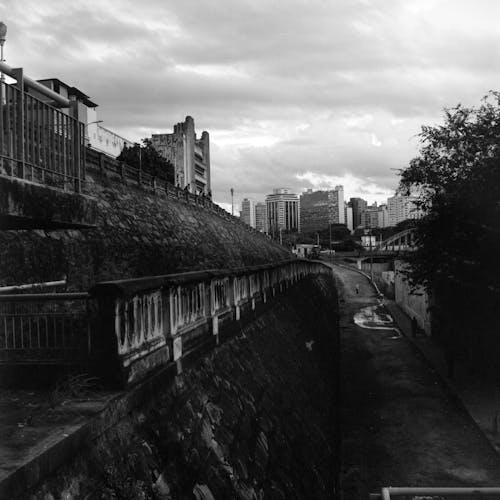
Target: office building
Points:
(357, 205)
(401, 208)
(348, 217)
(248, 212)
(283, 211)
(318, 209)
(261, 217)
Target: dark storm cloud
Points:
(296, 93)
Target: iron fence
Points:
(44, 328)
(38, 142)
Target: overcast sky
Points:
(299, 94)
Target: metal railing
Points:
(48, 328)
(39, 142)
(129, 327)
(439, 493)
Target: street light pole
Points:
(232, 201)
(3, 34)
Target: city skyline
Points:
(342, 104)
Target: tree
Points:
(147, 158)
(457, 175)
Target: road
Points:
(400, 425)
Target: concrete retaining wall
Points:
(139, 232)
(253, 419)
(414, 302)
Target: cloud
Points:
(292, 92)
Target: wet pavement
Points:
(401, 425)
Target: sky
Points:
(294, 93)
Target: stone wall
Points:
(140, 231)
(415, 302)
(254, 419)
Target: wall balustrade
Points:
(122, 330)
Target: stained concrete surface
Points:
(401, 426)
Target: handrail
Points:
(149, 282)
(27, 297)
(391, 492)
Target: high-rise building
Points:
(189, 155)
(383, 216)
(348, 216)
(261, 217)
(369, 217)
(283, 211)
(336, 205)
(314, 213)
(248, 212)
(318, 209)
(358, 205)
(401, 208)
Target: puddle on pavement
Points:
(375, 317)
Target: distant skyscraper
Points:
(348, 216)
(261, 217)
(248, 212)
(383, 216)
(283, 211)
(369, 217)
(318, 209)
(314, 213)
(401, 208)
(336, 205)
(358, 205)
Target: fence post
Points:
(77, 157)
(18, 75)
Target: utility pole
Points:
(232, 201)
(330, 226)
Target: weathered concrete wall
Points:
(139, 232)
(253, 419)
(414, 302)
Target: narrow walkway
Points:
(401, 425)
(480, 397)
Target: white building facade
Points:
(189, 156)
(401, 208)
(283, 211)
(248, 212)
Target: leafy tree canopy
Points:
(147, 158)
(457, 174)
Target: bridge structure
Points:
(403, 241)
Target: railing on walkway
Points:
(48, 328)
(38, 142)
(437, 493)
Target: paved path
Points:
(401, 425)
